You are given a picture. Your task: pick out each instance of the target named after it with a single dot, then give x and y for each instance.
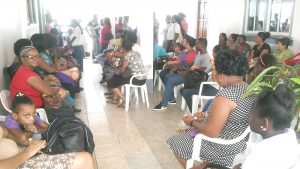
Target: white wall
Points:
(296, 27)
(224, 16)
(13, 15)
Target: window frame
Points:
(266, 27)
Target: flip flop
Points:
(112, 101)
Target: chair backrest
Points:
(42, 114)
(206, 97)
(6, 100)
(198, 143)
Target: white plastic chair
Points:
(198, 141)
(201, 98)
(143, 88)
(5, 100)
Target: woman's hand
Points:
(31, 128)
(62, 93)
(187, 120)
(199, 116)
(35, 146)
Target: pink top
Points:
(104, 31)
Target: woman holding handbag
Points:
(132, 64)
(106, 34)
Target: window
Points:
(273, 16)
(31, 14)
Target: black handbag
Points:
(126, 73)
(194, 78)
(108, 36)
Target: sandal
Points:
(112, 101)
(122, 105)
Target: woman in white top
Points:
(271, 118)
(77, 43)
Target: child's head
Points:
(23, 109)
(61, 64)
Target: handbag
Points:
(108, 36)
(194, 78)
(126, 73)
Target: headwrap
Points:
(25, 49)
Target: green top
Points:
(283, 55)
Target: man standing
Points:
(92, 29)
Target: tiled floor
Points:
(127, 140)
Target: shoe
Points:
(159, 107)
(75, 110)
(172, 102)
(108, 93)
(102, 81)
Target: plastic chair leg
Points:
(127, 98)
(143, 94)
(146, 95)
(195, 103)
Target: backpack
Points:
(66, 135)
(194, 78)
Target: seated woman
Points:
(55, 106)
(282, 52)
(228, 115)
(43, 43)
(27, 81)
(271, 118)
(29, 158)
(171, 79)
(261, 48)
(261, 64)
(23, 123)
(133, 63)
(67, 77)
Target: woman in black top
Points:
(261, 48)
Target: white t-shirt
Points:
(278, 152)
(203, 60)
(165, 31)
(79, 37)
(174, 28)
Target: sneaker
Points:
(159, 107)
(75, 110)
(172, 102)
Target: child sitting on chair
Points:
(23, 123)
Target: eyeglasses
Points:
(32, 57)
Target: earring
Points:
(262, 128)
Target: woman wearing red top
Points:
(104, 32)
(27, 81)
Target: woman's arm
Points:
(20, 137)
(264, 52)
(37, 83)
(16, 161)
(47, 68)
(219, 113)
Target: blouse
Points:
(257, 52)
(19, 84)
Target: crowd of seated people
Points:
(234, 64)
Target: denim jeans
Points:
(78, 54)
(170, 81)
(207, 90)
(163, 74)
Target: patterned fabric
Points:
(45, 161)
(135, 64)
(237, 123)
